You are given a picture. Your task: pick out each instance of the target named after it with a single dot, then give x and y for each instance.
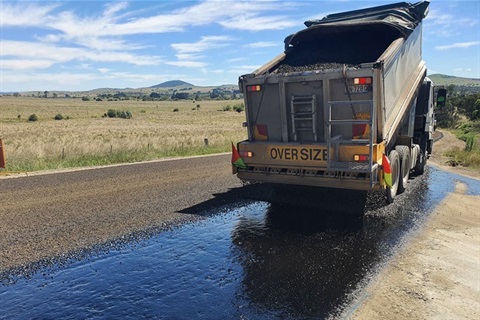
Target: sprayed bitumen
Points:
(251, 260)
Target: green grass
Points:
(115, 157)
(470, 156)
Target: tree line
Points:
(460, 103)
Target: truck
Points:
(347, 105)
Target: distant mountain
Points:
(172, 83)
(445, 80)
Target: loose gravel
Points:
(287, 68)
(59, 215)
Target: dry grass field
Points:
(87, 138)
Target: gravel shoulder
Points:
(436, 275)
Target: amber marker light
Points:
(246, 154)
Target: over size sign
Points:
(311, 154)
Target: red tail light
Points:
(367, 80)
(361, 157)
(254, 88)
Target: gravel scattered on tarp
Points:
(286, 68)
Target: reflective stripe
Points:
(387, 171)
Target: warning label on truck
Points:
(298, 153)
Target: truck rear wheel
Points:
(420, 166)
(394, 158)
(422, 158)
(405, 165)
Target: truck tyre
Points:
(405, 165)
(394, 158)
(420, 166)
(422, 158)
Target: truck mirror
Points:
(441, 98)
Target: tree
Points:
(447, 116)
(45, 94)
(476, 111)
(154, 95)
(469, 105)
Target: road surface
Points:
(49, 215)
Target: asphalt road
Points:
(50, 215)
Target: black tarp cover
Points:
(403, 16)
(353, 37)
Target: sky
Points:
(84, 45)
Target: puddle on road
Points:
(257, 261)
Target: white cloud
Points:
(206, 43)
(57, 54)
(435, 17)
(24, 14)
(254, 23)
(24, 64)
(111, 8)
(261, 44)
(50, 79)
(447, 25)
(189, 53)
(74, 81)
(139, 78)
(458, 45)
(230, 14)
(188, 64)
(244, 69)
(237, 59)
(464, 72)
(71, 36)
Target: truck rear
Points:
(347, 105)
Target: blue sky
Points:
(83, 45)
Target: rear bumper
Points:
(319, 178)
(308, 165)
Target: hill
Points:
(445, 80)
(172, 83)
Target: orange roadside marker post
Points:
(3, 162)
(2, 154)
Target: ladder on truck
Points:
(303, 111)
(334, 142)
